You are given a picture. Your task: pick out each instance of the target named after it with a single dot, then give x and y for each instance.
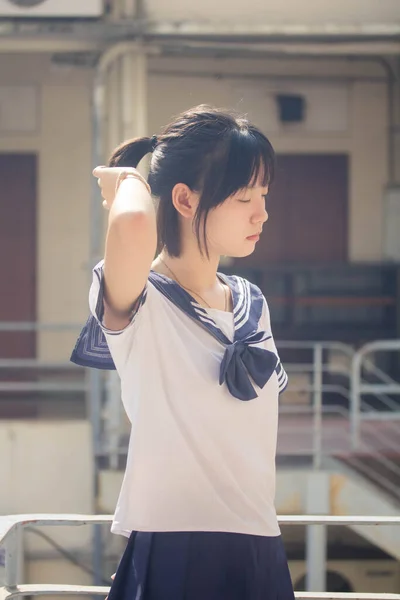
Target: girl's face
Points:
(234, 227)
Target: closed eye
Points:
(244, 201)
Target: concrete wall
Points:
(366, 576)
(347, 112)
(46, 467)
(274, 12)
(344, 115)
(56, 126)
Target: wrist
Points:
(124, 175)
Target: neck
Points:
(191, 268)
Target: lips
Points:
(253, 238)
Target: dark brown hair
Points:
(214, 152)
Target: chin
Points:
(242, 253)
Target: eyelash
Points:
(247, 201)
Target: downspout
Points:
(94, 376)
(98, 117)
(391, 87)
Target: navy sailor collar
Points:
(242, 363)
(247, 302)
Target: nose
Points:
(261, 215)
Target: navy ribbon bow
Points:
(240, 360)
(242, 363)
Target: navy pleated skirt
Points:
(202, 566)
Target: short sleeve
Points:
(96, 302)
(280, 371)
(99, 347)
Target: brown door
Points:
(307, 209)
(17, 251)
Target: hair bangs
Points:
(244, 158)
(250, 161)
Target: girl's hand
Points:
(108, 179)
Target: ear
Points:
(184, 200)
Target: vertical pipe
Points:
(140, 91)
(317, 503)
(14, 557)
(96, 244)
(130, 8)
(317, 401)
(391, 111)
(112, 430)
(134, 94)
(112, 117)
(94, 376)
(355, 400)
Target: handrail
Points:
(11, 526)
(358, 387)
(348, 390)
(81, 590)
(16, 326)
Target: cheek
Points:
(222, 228)
(227, 235)
(228, 217)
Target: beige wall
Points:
(366, 576)
(32, 483)
(60, 135)
(275, 12)
(346, 113)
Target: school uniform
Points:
(200, 387)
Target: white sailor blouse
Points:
(243, 363)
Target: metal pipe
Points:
(317, 401)
(270, 77)
(317, 503)
(37, 326)
(391, 85)
(355, 405)
(357, 387)
(94, 397)
(11, 559)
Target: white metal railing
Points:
(369, 432)
(11, 529)
(346, 430)
(358, 387)
(41, 370)
(352, 429)
(316, 387)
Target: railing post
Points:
(355, 394)
(94, 399)
(112, 418)
(317, 404)
(318, 503)
(13, 557)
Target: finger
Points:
(113, 576)
(97, 171)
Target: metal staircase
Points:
(359, 425)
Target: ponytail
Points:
(131, 152)
(213, 152)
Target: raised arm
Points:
(131, 242)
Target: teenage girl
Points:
(199, 370)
